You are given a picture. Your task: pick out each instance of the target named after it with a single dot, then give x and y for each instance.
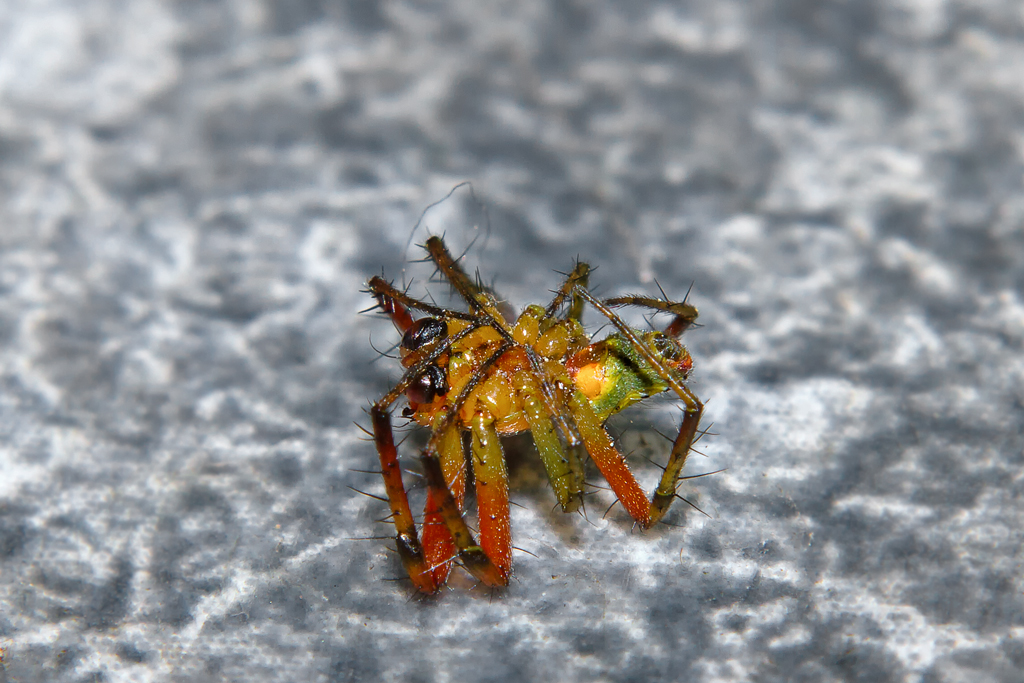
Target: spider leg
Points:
(666, 491)
(487, 459)
(438, 546)
(395, 303)
(423, 573)
(477, 296)
(474, 557)
(563, 418)
(609, 461)
(692, 410)
(564, 469)
(579, 276)
(492, 497)
(685, 314)
(409, 549)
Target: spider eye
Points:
(666, 347)
(422, 332)
(433, 382)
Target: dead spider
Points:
(480, 371)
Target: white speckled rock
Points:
(192, 195)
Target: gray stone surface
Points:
(193, 193)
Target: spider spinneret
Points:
(482, 372)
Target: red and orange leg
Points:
(409, 549)
(492, 500)
(438, 547)
(488, 560)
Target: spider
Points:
(484, 372)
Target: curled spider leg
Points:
(552, 402)
(537, 331)
(692, 411)
(539, 328)
(473, 557)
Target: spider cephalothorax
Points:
(481, 372)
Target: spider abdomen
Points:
(613, 375)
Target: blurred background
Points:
(194, 192)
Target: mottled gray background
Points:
(193, 193)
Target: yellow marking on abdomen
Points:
(592, 380)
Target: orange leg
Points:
(473, 557)
(609, 461)
(438, 546)
(492, 497)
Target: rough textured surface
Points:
(192, 194)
